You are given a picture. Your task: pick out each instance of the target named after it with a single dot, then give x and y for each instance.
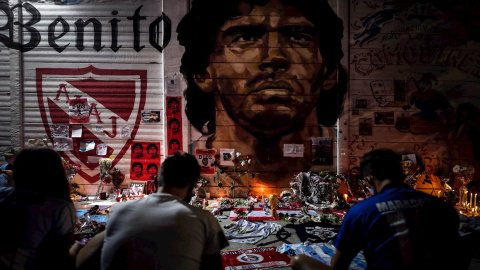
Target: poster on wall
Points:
(79, 111)
(206, 160)
(365, 127)
(322, 151)
(174, 123)
(145, 160)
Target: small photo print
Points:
(151, 116)
(60, 131)
(63, 144)
(226, 156)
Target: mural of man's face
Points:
(265, 68)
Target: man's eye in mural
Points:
(245, 35)
(300, 35)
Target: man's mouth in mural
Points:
(273, 87)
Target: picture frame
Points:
(136, 188)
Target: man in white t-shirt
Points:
(163, 231)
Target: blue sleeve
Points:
(349, 238)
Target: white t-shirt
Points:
(160, 232)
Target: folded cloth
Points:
(322, 252)
(247, 232)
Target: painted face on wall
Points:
(265, 68)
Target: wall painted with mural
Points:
(414, 81)
(264, 85)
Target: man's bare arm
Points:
(304, 262)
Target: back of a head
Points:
(382, 164)
(41, 170)
(179, 170)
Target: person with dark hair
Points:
(174, 145)
(398, 228)
(174, 125)
(152, 151)
(39, 216)
(137, 169)
(263, 73)
(163, 231)
(137, 150)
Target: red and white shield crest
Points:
(119, 97)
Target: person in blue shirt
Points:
(397, 228)
(6, 179)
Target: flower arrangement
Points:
(114, 176)
(315, 187)
(71, 169)
(237, 171)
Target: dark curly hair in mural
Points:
(197, 33)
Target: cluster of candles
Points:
(472, 205)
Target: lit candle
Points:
(476, 210)
(439, 193)
(262, 194)
(204, 206)
(470, 199)
(475, 201)
(345, 196)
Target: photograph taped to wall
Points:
(226, 156)
(63, 144)
(126, 131)
(293, 150)
(60, 131)
(151, 116)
